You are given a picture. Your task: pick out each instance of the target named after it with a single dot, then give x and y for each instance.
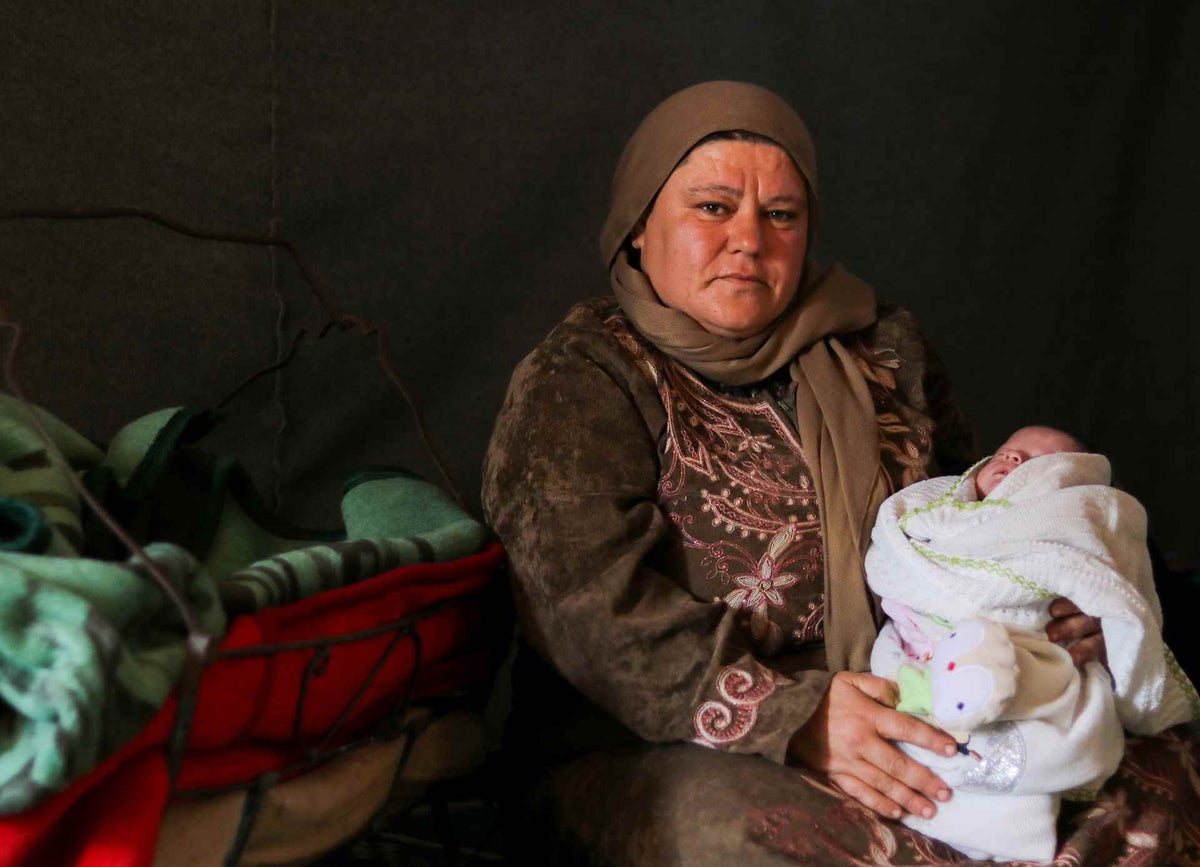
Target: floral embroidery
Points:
(739, 463)
(719, 724)
(759, 589)
(735, 484)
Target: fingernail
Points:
(927, 812)
(943, 795)
(896, 813)
(950, 749)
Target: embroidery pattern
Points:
(759, 589)
(736, 486)
(719, 724)
(747, 468)
(904, 450)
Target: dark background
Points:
(1022, 175)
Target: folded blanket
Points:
(392, 519)
(1053, 527)
(157, 481)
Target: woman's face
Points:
(726, 239)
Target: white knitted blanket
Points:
(1053, 527)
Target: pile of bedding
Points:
(91, 649)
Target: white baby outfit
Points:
(1053, 527)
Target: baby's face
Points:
(1028, 442)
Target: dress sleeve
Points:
(569, 486)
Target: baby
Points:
(1026, 443)
(966, 568)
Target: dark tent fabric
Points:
(1022, 175)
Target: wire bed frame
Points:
(201, 649)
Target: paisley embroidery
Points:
(763, 533)
(719, 724)
(742, 465)
(735, 484)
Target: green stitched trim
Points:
(986, 566)
(929, 507)
(1184, 682)
(948, 499)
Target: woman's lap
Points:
(681, 804)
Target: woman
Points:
(685, 477)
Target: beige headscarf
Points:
(835, 415)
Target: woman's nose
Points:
(745, 232)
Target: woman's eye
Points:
(713, 208)
(778, 216)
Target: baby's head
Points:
(1028, 442)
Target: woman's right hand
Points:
(850, 736)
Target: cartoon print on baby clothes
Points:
(973, 675)
(969, 679)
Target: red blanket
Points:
(246, 711)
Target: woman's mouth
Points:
(748, 279)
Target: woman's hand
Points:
(1081, 635)
(849, 737)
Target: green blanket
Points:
(89, 647)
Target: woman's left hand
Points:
(1080, 634)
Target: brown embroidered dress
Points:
(664, 536)
(666, 553)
